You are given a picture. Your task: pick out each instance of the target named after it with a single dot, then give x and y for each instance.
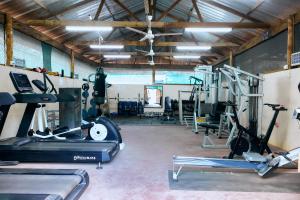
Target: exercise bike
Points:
(246, 140)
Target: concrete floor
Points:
(140, 171)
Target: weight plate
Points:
(243, 145)
(85, 86)
(92, 112)
(93, 102)
(84, 114)
(98, 132)
(85, 94)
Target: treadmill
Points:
(38, 184)
(23, 148)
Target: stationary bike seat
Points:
(276, 106)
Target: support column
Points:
(230, 58)
(72, 66)
(9, 39)
(290, 42)
(153, 74)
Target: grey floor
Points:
(136, 120)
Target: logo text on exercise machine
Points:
(84, 158)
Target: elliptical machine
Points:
(104, 130)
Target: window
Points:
(140, 77)
(153, 96)
(144, 77)
(173, 77)
(60, 61)
(27, 50)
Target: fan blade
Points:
(166, 34)
(143, 39)
(142, 51)
(136, 30)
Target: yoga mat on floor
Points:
(237, 182)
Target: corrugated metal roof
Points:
(268, 11)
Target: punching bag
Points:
(99, 86)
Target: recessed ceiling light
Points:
(117, 56)
(193, 48)
(93, 46)
(88, 28)
(186, 57)
(209, 29)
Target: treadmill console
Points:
(25, 91)
(21, 82)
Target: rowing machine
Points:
(254, 161)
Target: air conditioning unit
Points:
(295, 59)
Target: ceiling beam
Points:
(154, 10)
(99, 9)
(197, 10)
(168, 10)
(126, 9)
(207, 54)
(231, 10)
(76, 5)
(258, 4)
(133, 65)
(170, 15)
(141, 24)
(157, 43)
(41, 4)
(80, 34)
(146, 6)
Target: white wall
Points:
(30, 49)
(17, 110)
(59, 61)
(130, 92)
(83, 70)
(282, 87)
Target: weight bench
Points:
(207, 141)
(213, 123)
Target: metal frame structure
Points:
(238, 81)
(211, 90)
(182, 119)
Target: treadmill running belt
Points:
(60, 185)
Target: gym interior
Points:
(143, 100)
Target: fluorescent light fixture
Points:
(186, 57)
(88, 28)
(94, 46)
(193, 48)
(117, 56)
(209, 29)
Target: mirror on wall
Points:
(153, 95)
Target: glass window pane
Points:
(60, 61)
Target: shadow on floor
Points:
(143, 121)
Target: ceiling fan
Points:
(150, 37)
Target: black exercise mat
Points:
(238, 182)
